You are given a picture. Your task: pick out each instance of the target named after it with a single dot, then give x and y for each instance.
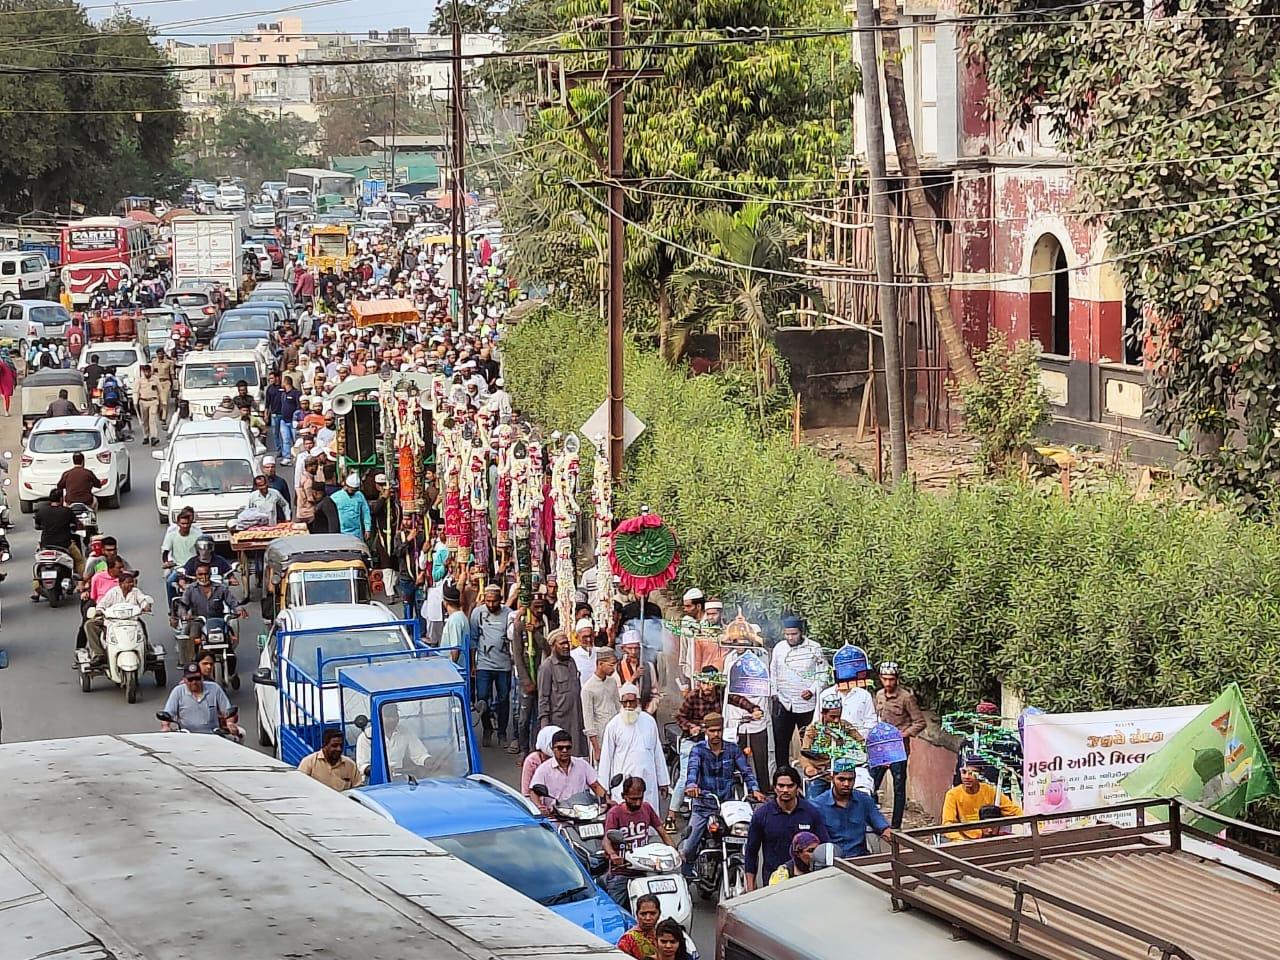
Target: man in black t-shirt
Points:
(56, 523)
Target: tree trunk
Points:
(921, 213)
(887, 296)
(665, 346)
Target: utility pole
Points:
(881, 213)
(617, 239)
(458, 210)
(391, 173)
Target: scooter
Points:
(129, 652)
(719, 864)
(659, 869)
(580, 820)
(54, 571)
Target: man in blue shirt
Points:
(776, 822)
(196, 706)
(848, 812)
(714, 766)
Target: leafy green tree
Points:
(367, 100)
(70, 131)
(740, 286)
(239, 142)
(1172, 121)
(476, 16)
(721, 123)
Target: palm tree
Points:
(740, 283)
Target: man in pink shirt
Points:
(564, 774)
(104, 580)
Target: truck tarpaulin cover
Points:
(370, 313)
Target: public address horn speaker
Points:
(342, 405)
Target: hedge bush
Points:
(1105, 602)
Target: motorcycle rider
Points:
(125, 591)
(714, 765)
(204, 554)
(198, 707)
(62, 406)
(78, 483)
(197, 601)
(57, 526)
(836, 737)
(635, 818)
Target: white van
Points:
(213, 475)
(186, 433)
(209, 375)
(24, 274)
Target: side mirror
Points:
(164, 486)
(361, 722)
(262, 677)
(616, 781)
(164, 716)
(157, 454)
(538, 790)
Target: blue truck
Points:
(404, 707)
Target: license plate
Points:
(220, 535)
(590, 831)
(662, 885)
(213, 647)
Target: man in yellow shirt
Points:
(963, 804)
(330, 765)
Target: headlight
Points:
(739, 829)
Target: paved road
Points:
(40, 694)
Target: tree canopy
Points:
(1172, 122)
(70, 133)
(238, 142)
(722, 123)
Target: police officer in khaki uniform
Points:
(163, 367)
(147, 393)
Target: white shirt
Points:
(401, 747)
(859, 707)
(790, 672)
(585, 658)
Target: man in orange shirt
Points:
(963, 804)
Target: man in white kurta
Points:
(631, 747)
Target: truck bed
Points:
(167, 846)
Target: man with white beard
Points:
(630, 747)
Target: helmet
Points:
(204, 549)
(889, 668)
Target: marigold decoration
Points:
(645, 555)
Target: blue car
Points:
(493, 828)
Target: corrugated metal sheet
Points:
(1207, 910)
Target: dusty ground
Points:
(940, 461)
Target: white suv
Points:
(47, 456)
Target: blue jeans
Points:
(171, 584)
(697, 828)
(493, 687)
(677, 788)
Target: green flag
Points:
(1216, 761)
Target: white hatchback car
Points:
(52, 443)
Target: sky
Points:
(205, 21)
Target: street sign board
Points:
(597, 426)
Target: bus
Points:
(99, 252)
(323, 183)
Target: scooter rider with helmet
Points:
(205, 554)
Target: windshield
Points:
(530, 859)
(311, 587)
(64, 441)
(53, 316)
(260, 321)
(263, 208)
(115, 358)
(159, 320)
(345, 643)
(425, 738)
(187, 299)
(203, 376)
(213, 476)
(239, 341)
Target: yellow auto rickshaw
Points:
(314, 569)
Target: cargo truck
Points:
(207, 250)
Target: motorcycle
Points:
(222, 731)
(86, 524)
(215, 639)
(580, 820)
(129, 652)
(54, 571)
(117, 414)
(658, 866)
(719, 863)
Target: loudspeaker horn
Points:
(341, 405)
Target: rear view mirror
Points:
(263, 678)
(361, 721)
(157, 454)
(164, 717)
(616, 781)
(538, 790)
(8, 454)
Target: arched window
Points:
(1051, 296)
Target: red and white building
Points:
(1024, 263)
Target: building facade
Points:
(1024, 260)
